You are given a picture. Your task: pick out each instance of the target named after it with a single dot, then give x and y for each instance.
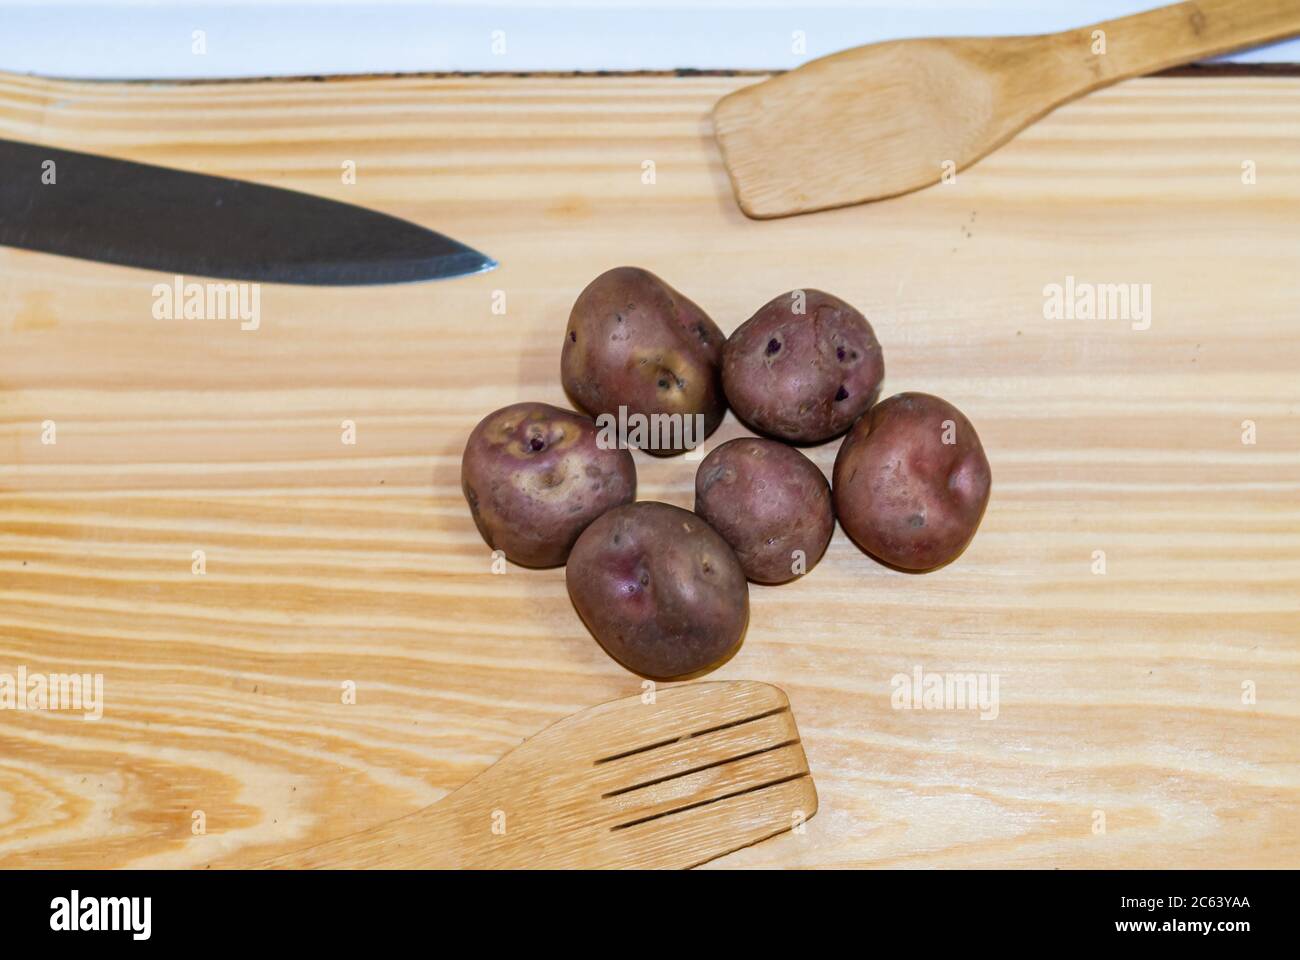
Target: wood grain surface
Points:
(1124, 696)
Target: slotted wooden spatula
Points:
(884, 119)
(704, 770)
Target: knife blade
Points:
(159, 218)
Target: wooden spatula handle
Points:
(1184, 32)
(425, 840)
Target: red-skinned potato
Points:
(911, 481)
(769, 502)
(635, 342)
(534, 477)
(802, 368)
(659, 589)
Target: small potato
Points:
(769, 502)
(911, 481)
(635, 342)
(659, 590)
(535, 477)
(802, 376)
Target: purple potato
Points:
(635, 342)
(769, 502)
(534, 477)
(659, 589)
(911, 481)
(803, 376)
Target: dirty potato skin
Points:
(534, 477)
(767, 500)
(659, 589)
(902, 493)
(634, 341)
(802, 377)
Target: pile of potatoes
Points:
(664, 590)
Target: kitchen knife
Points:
(158, 218)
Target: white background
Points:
(152, 39)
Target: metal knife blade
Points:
(159, 218)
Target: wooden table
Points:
(1126, 733)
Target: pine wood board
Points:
(1120, 693)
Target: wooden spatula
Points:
(704, 770)
(884, 119)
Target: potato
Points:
(769, 502)
(802, 376)
(911, 481)
(535, 477)
(659, 589)
(635, 342)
